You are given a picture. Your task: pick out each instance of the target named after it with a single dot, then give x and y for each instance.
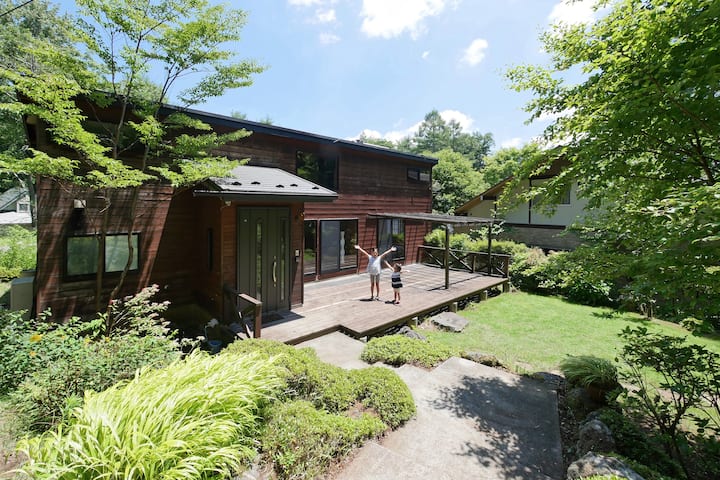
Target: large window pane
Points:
(337, 247)
(329, 246)
(116, 252)
(391, 233)
(310, 253)
(320, 170)
(348, 240)
(81, 256)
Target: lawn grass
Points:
(531, 333)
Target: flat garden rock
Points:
(450, 321)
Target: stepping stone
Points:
(450, 321)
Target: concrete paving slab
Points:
(480, 422)
(472, 421)
(337, 349)
(450, 321)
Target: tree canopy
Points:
(455, 181)
(136, 52)
(641, 134)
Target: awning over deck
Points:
(439, 218)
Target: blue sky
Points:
(341, 67)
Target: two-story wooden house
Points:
(291, 215)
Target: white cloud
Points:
(328, 38)
(325, 16)
(425, 54)
(391, 18)
(464, 120)
(475, 53)
(514, 142)
(573, 12)
(304, 3)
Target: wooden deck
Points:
(343, 304)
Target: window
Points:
(565, 200)
(23, 207)
(81, 256)
(418, 175)
(337, 245)
(322, 171)
(310, 252)
(391, 233)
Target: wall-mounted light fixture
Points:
(77, 218)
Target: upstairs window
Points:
(421, 175)
(316, 169)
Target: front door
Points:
(264, 255)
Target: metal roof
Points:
(438, 218)
(267, 184)
(263, 128)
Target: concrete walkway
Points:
(472, 421)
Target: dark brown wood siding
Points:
(367, 183)
(57, 221)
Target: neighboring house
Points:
(292, 215)
(525, 223)
(15, 207)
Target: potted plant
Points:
(597, 376)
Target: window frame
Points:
(349, 246)
(401, 253)
(137, 253)
(415, 175)
(322, 162)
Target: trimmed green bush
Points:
(303, 442)
(332, 388)
(382, 390)
(195, 419)
(400, 350)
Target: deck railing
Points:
(241, 307)
(494, 265)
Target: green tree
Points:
(19, 27)
(641, 134)
(128, 41)
(503, 163)
(435, 134)
(455, 181)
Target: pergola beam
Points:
(448, 222)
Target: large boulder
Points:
(594, 464)
(594, 436)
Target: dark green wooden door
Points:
(264, 255)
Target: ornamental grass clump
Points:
(195, 419)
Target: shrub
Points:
(196, 418)
(399, 350)
(18, 251)
(48, 364)
(587, 370)
(302, 441)
(688, 383)
(526, 270)
(303, 374)
(632, 443)
(382, 390)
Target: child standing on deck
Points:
(374, 268)
(395, 281)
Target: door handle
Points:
(274, 270)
